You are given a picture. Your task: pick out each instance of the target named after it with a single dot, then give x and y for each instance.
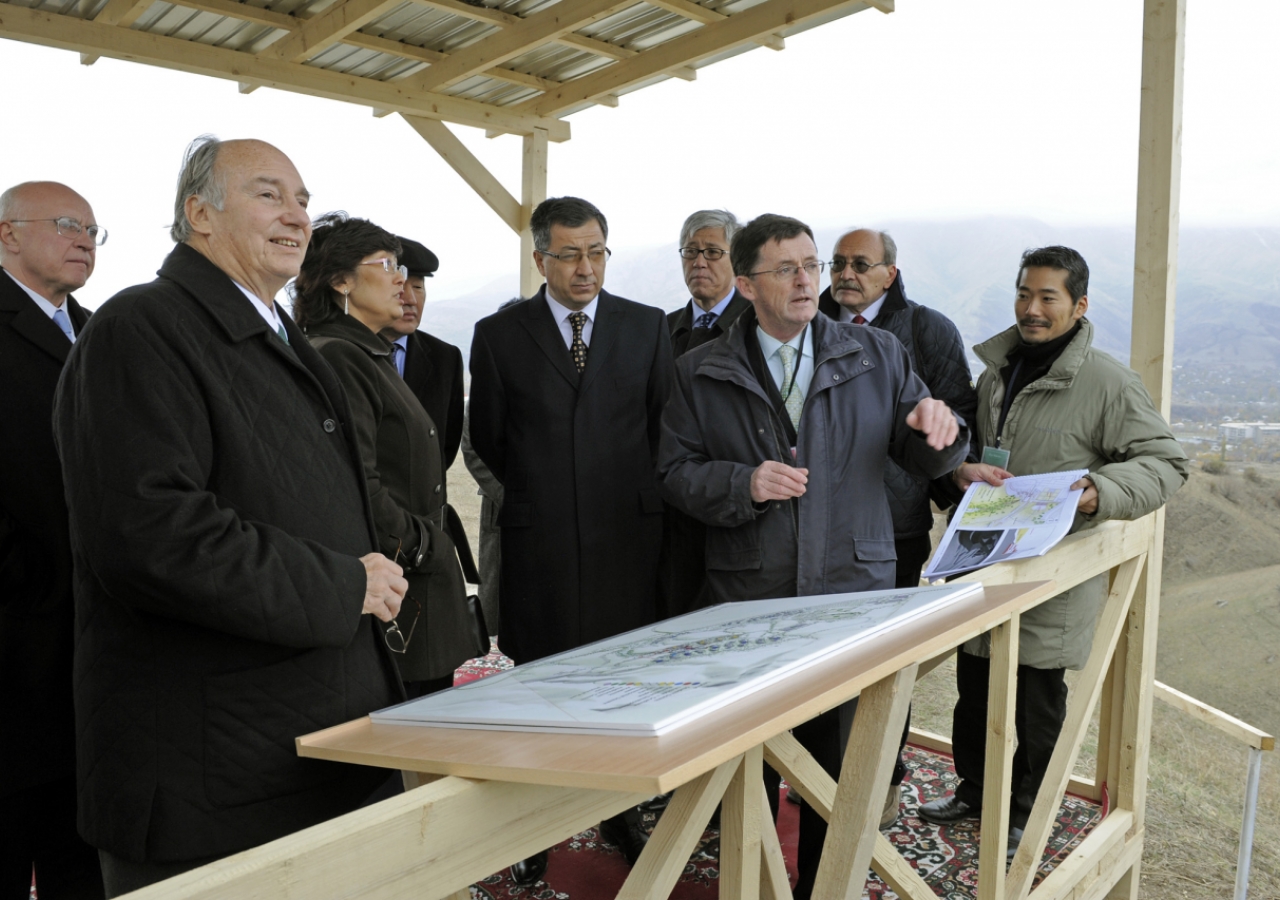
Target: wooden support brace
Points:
(472, 171)
(864, 778)
(997, 777)
(741, 819)
(774, 883)
(533, 190)
(676, 835)
(1079, 708)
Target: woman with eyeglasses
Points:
(347, 292)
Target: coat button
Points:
(866, 362)
(437, 488)
(759, 431)
(330, 425)
(835, 377)
(433, 432)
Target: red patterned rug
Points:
(587, 868)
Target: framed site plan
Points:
(652, 680)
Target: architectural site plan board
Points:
(651, 680)
(1024, 517)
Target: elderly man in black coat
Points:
(776, 439)
(48, 245)
(567, 390)
(226, 577)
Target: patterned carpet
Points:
(586, 868)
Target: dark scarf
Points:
(1028, 362)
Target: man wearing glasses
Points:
(776, 439)
(567, 391)
(867, 289)
(48, 244)
(226, 572)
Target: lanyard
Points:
(1008, 400)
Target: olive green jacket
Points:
(1087, 412)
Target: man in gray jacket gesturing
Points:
(1049, 402)
(776, 437)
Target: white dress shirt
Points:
(268, 313)
(870, 313)
(45, 306)
(803, 342)
(561, 314)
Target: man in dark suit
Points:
(567, 391)
(48, 243)
(224, 545)
(714, 306)
(431, 367)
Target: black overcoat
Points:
(433, 371)
(581, 517)
(218, 512)
(681, 324)
(399, 444)
(35, 549)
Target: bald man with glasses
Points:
(49, 240)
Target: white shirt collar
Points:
(45, 306)
(769, 344)
(269, 313)
(870, 313)
(717, 310)
(402, 342)
(562, 312)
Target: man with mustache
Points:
(567, 390)
(867, 289)
(224, 545)
(1049, 402)
(48, 245)
(776, 438)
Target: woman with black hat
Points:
(346, 293)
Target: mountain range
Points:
(1228, 302)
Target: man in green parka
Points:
(1049, 402)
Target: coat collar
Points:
(33, 325)
(895, 300)
(538, 321)
(213, 289)
(994, 353)
(738, 304)
(351, 329)
(728, 357)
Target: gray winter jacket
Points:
(719, 425)
(1087, 412)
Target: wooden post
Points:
(533, 190)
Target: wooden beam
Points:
(247, 87)
(997, 769)
(1228, 725)
(393, 48)
(472, 171)
(321, 32)
(704, 16)
(599, 48)
(475, 13)
(741, 28)
(547, 25)
(741, 818)
(533, 190)
(121, 12)
(244, 11)
(88, 59)
(1155, 258)
(53, 30)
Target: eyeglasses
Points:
(573, 257)
(861, 266)
(389, 265)
(71, 228)
(786, 273)
(711, 253)
(397, 640)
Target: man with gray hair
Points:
(226, 577)
(48, 245)
(715, 302)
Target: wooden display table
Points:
(572, 781)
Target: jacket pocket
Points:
(515, 515)
(867, 550)
(733, 549)
(250, 722)
(650, 502)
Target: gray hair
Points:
(709, 218)
(9, 200)
(890, 246)
(197, 178)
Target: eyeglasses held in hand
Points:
(71, 228)
(711, 253)
(786, 273)
(388, 265)
(573, 257)
(861, 266)
(397, 640)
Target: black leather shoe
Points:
(948, 810)
(625, 833)
(530, 871)
(1015, 839)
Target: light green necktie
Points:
(792, 397)
(284, 335)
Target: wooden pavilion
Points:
(523, 67)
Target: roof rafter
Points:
(709, 40)
(69, 33)
(704, 16)
(328, 28)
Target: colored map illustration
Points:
(651, 680)
(1019, 503)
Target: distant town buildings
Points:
(1249, 431)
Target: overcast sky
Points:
(941, 110)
